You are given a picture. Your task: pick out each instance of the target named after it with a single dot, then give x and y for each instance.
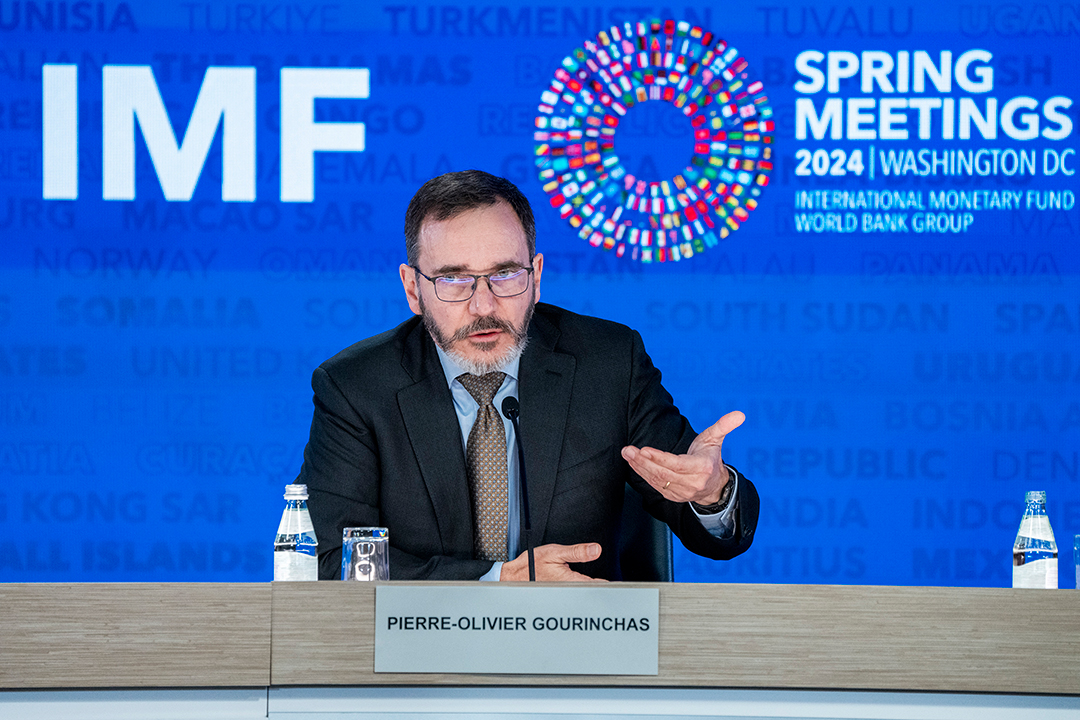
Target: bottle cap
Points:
(1038, 496)
(296, 492)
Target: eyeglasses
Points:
(459, 287)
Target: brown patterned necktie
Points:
(485, 457)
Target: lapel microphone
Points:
(512, 410)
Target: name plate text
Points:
(490, 628)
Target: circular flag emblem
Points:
(654, 219)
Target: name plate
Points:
(490, 628)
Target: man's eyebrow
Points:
(462, 270)
(448, 270)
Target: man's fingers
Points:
(646, 467)
(657, 463)
(715, 433)
(678, 478)
(582, 552)
(670, 484)
(552, 563)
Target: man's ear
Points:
(412, 289)
(538, 268)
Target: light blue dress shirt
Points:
(720, 524)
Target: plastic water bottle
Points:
(296, 549)
(1035, 553)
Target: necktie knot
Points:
(482, 387)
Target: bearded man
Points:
(407, 434)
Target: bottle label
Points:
(1036, 574)
(1036, 527)
(295, 566)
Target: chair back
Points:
(645, 552)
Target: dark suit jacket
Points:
(386, 450)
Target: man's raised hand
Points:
(699, 475)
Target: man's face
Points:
(484, 331)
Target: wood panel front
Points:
(92, 635)
(753, 636)
(734, 636)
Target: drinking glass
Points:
(365, 553)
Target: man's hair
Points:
(449, 195)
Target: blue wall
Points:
(903, 388)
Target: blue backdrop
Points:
(883, 273)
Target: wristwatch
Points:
(725, 497)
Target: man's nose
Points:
(483, 300)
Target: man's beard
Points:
(487, 322)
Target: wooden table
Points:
(176, 635)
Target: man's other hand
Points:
(698, 476)
(552, 563)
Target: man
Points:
(407, 433)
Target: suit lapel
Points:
(427, 409)
(544, 387)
